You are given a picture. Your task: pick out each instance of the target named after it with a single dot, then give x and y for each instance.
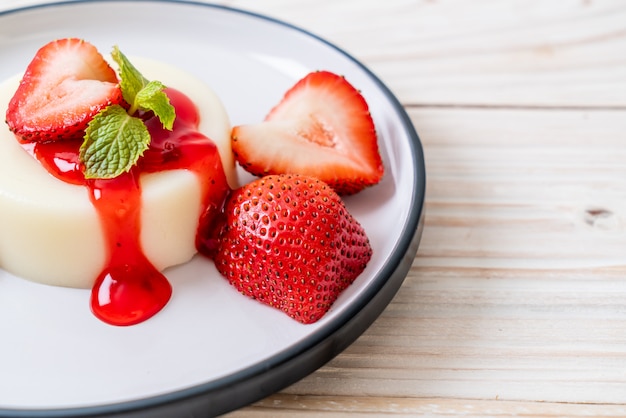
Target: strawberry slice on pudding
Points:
(66, 84)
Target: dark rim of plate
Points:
(279, 371)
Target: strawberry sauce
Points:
(130, 289)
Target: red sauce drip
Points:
(130, 289)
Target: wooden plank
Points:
(513, 53)
(340, 407)
(524, 188)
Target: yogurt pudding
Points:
(58, 229)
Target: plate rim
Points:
(270, 375)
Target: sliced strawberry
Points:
(321, 128)
(289, 242)
(63, 87)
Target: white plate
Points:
(210, 350)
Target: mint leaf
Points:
(142, 94)
(114, 141)
(131, 80)
(152, 97)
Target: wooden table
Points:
(516, 301)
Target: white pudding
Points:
(51, 233)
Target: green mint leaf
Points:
(113, 143)
(142, 94)
(152, 97)
(114, 139)
(131, 80)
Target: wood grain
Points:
(322, 406)
(456, 52)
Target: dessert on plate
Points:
(112, 171)
(59, 227)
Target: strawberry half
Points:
(321, 128)
(65, 85)
(289, 242)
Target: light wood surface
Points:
(516, 302)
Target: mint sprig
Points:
(141, 93)
(115, 139)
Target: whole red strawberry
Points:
(289, 242)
